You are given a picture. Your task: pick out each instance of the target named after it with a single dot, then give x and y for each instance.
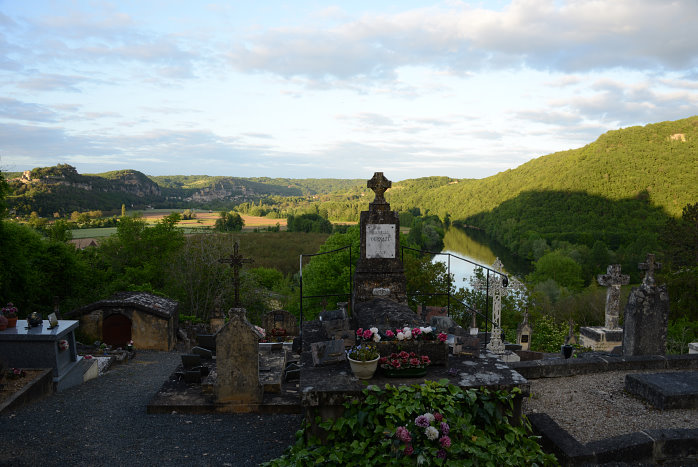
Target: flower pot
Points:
(12, 322)
(404, 372)
(363, 370)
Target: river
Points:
(475, 246)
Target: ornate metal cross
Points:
(378, 183)
(613, 279)
(650, 265)
(236, 261)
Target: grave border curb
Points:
(40, 387)
(653, 446)
(560, 368)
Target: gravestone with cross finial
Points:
(524, 332)
(610, 336)
(379, 270)
(236, 261)
(646, 314)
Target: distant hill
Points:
(657, 161)
(62, 189)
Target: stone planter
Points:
(435, 350)
(363, 370)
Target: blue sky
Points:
(310, 89)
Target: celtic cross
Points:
(378, 183)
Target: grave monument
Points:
(379, 271)
(609, 336)
(379, 293)
(524, 332)
(646, 315)
(237, 364)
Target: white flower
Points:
(408, 333)
(400, 336)
(376, 337)
(431, 432)
(374, 330)
(427, 329)
(429, 417)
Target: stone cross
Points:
(613, 279)
(236, 262)
(649, 266)
(496, 290)
(378, 183)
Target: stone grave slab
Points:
(271, 370)
(666, 391)
(328, 352)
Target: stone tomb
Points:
(149, 320)
(665, 391)
(610, 336)
(41, 347)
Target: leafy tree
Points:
(229, 222)
(560, 268)
(308, 223)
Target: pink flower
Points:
(389, 333)
(443, 336)
(441, 454)
(414, 361)
(421, 421)
(367, 334)
(445, 442)
(445, 428)
(360, 332)
(403, 434)
(437, 416)
(403, 354)
(416, 332)
(383, 360)
(409, 450)
(425, 359)
(396, 363)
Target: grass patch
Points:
(94, 232)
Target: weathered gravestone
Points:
(646, 315)
(282, 321)
(609, 336)
(379, 271)
(237, 362)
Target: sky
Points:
(315, 89)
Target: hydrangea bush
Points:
(435, 423)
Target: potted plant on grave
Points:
(10, 312)
(404, 365)
(363, 359)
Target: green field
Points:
(94, 233)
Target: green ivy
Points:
(480, 431)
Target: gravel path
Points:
(596, 406)
(103, 422)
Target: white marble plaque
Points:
(381, 291)
(380, 241)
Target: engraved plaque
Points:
(381, 291)
(380, 241)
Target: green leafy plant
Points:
(393, 426)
